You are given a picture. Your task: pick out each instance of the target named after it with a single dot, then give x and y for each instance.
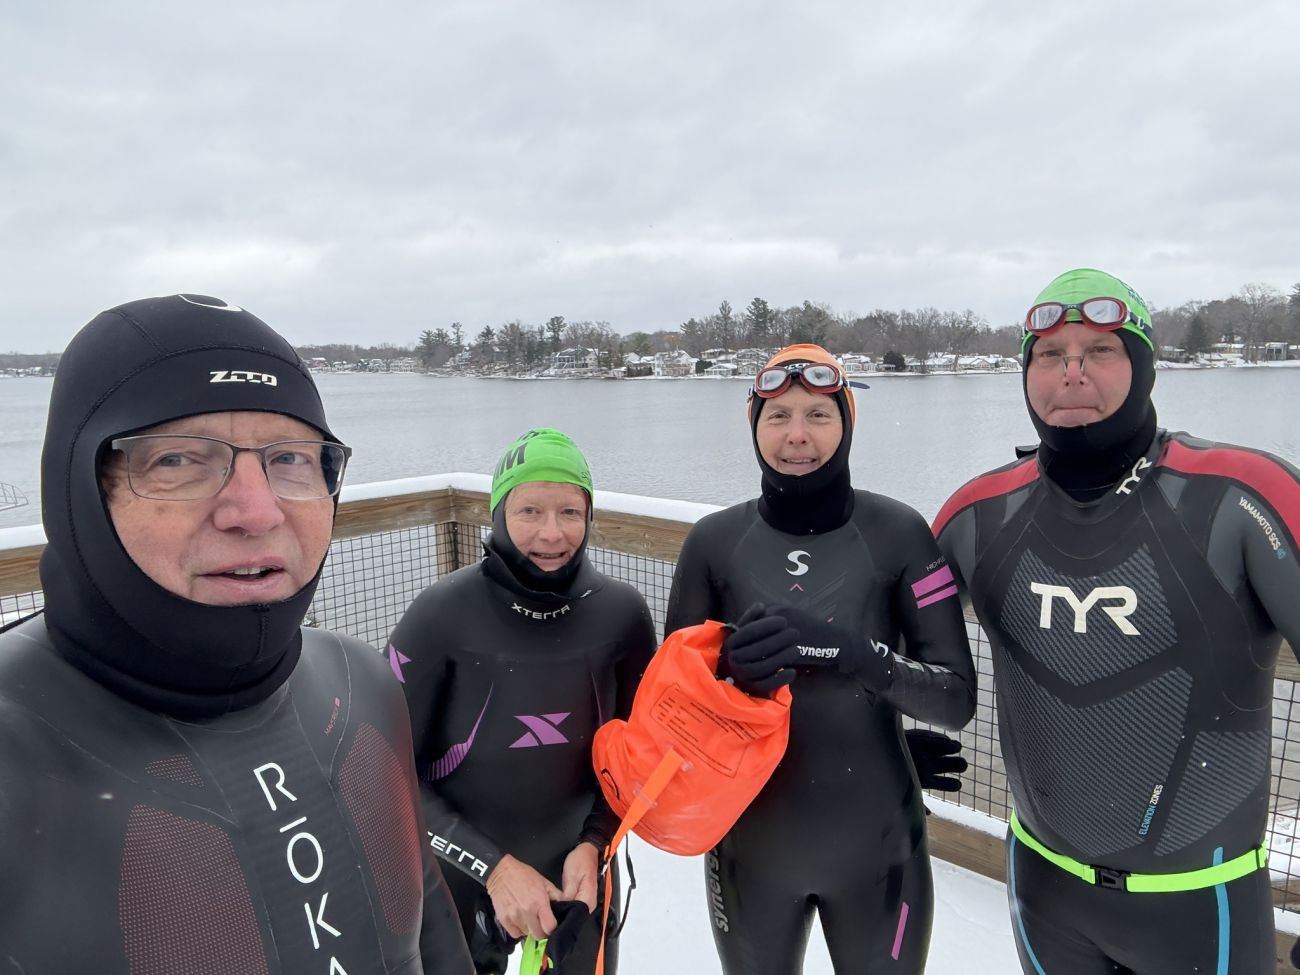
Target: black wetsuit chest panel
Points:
(515, 694)
(282, 838)
(1110, 627)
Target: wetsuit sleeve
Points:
(692, 599)
(424, 670)
(956, 540)
(1263, 526)
(933, 674)
(602, 823)
(442, 940)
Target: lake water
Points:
(918, 437)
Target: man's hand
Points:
(581, 872)
(521, 898)
(937, 759)
(759, 654)
(824, 644)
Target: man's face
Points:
(1077, 375)
(547, 521)
(798, 431)
(240, 547)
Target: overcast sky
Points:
(360, 172)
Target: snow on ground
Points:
(669, 928)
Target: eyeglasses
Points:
(174, 468)
(1102, 314)
(1100, 356)
(816, 377)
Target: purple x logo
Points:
(542, 730)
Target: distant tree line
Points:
(918, 333)
(1255, 315)
(516, 345)
(21, 360)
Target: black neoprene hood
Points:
(814, 503)
(130, 368)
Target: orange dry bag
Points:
(722, 743)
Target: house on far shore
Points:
(636, 365)
(749, 361)
(575, 360)
(856, 363)
(677, 363)
(1274, 352)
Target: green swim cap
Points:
(544, 454)
(1083, 283)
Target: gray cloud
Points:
(359, 174)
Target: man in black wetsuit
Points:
(839, 829)
(190, 783)
(509, 667)
(1134, 585)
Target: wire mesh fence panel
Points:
(369, 580)
(984, 783)
(653, 578)
(1284, 801)
(15, 607)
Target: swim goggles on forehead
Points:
(816, 377)
(1102, 314)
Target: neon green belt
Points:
(1147, 883)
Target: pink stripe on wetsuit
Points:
(937, 585)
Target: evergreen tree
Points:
(1197, 339)
(758, 320)
(555, 328)
(427, 350)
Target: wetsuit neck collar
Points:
(172, 655)
(808, 504)
(1088, 461)
(581, 578)
(521, 573)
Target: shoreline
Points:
(1160, 365)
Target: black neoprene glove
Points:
(937, 759)
(759, 655)
(488, 941)
(823, 644)
(570, 916)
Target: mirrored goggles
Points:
(1102, 314)
(816, 377)
(186, 468)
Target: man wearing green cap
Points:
(509, 667)
(1134, 585)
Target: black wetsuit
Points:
(278, 838)
(506, 688)
(819, 837)
(1134, 639)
